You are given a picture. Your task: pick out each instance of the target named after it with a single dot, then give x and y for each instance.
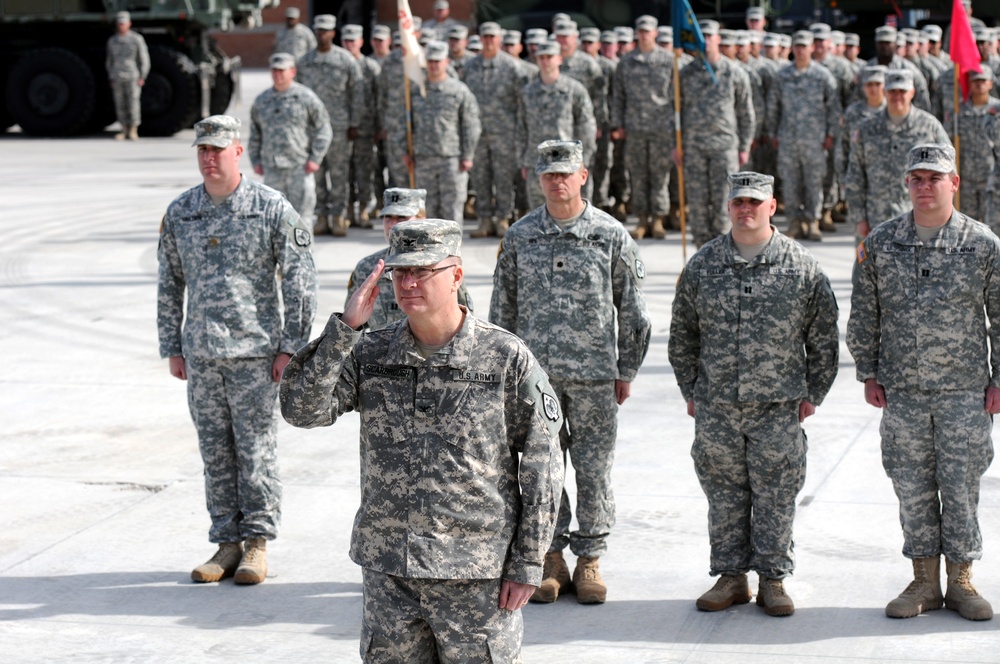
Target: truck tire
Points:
(50, 92)
(171, 94)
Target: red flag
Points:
(963, 50)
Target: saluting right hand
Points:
(361, 305)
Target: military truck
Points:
(52, 62)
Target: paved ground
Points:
(100, 479)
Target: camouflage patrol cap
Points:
(458, 32)
(590, 34)
(742, 37)
(123, 17)
(709, 27)
(932, 31)
(324, 22)
(983, 75)
(664, 34)
(399, 202)
(556, 18)
(838, 38)
(910, 35)
(755, 13)
(427, 36)
(512, 38)
(292, 12)
(625, 34)
(566, 29)
(536, 36)
(852, 39)
(747, 184)
(609, 37)
(899, 79)
(559, 157)
(982, 34)
(885, 33)
(874, 74)
(381, 32)
(352, 31)
(436, 50)
(490, 28)
(772, 39)
(802, 38)
(820, 30)
(547, 48)
(646, 22)
(900, 38)
(282, 61)
(423, 242)
(755, 36)
(938, 157)
(475, 44)
(727, 37)
(441, 4)
(217, 130)
(786, 40)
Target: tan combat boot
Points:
(674, 218)
(962, 596)
(923, 593)
(795, 229)
(469, 211)
(642, 229)
(322, 225)
(839, 212)
(771, 595)
(502, 225)
(221, 566)
(590, 588)
(253, 566)
(133, 132)
(728, 590)
(364, 220)
(812, 231)
(338, 227)
(619, 212)
(120, 136)
(826, 222)
(486, 228)
(555, 579)
(658, 231)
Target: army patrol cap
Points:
(838, 38)
(910, 35)
(885, 33)
(423, 242)
(324, 22)
(458, 32)
(933, 32)
(395, 38)
(786, 41)
(664, 34)
(625, 34)
(609, 37)
(292, 12)
(282, 61)
(874, 74)
(982, 34)
(646, 22)
(709, 27)
(490, 29)
(427, 36)
(923, 38)
(399, 202)
(747, 184)
(900, 39)
(217, 130)
(381, 32)
(755, 36)
(436, 50)
(802, 38)
(559, 157)
(984, 75)
(475, 44)
(536, 36)
(898, 79)
(442, 4)
(820, 30)
(727, 37)
(556, 18)
(755, 13)
(771, 39)
(547, 48)
(852, 39)
(512, 38)
(123, 17)
(936, 157)
(352, 31)
(742, 37)
(566, 29)
(591, 35)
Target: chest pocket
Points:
(952, 278)
(719, 297)
(470, 402)
(386, 398)
(210, 245)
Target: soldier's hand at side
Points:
(278, 366)
(677, 156)
(774, 142)
(178, 368)
(744, 158)
(361, 305)
(258, 169)
(465, 165)
(408, 161)
(311, 166)
(352, 133)
(805, 410)
(828, 143)
(874, 393)
(617, 134)
(863, 228)
(524, 174)
(993, 400)
(691, 408)
(141, 82)
(514, 595)
(623, 390)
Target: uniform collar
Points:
(456, 353)
(906, 233)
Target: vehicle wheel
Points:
(170, 96)
(50, 92)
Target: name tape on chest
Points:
(387, 372)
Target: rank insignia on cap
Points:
(862, 254)
(550, 406)
(303, 238)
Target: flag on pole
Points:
(414, 62)
(687, 32)
(963, 51)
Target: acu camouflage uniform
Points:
(392, 115)
(601, 173)
(287, 129)
(563, 290)
(921, 96)
(464, 445)
(127, 61)
(297, 40)
(226, 258)
(850, 122)
(583, 67)
(975, 126)
(749, 341)
(336, 78)
(363, 156)
(918, 326)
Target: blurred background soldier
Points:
(229, 245)
(294, 37)
(392, 113)
(127, 62)
(590, 41)
(363, 159)
(335, 76)
(873, 84)
(976, 128)
(289, 135)
(458, 55)
(381, 42)
(885, 54)
(442, 21)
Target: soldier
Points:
(934, 33)
(875, 186)
(381, 42)
(230, 244)
(392, 113)
(873, 83)
(843, 74)
(458, 39)
(127, 63)
(294, 37)
(495, 80)
(335, 76)
(590, 39)
(923, 307)
(976, 127)
(641, 112)
(626, 39)
(459, 433)
(568, 281)
(553, 106)
(754, 347)
(363, 159)
(442, 21)
(289, 136)
(852, 49)
(475, 45)
(398, 205)
(718, 123)
(885, 54)
(803, 112)
(445, 132)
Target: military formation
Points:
(467, 426)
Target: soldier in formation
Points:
(294, 37)
(127, 63)
(977, 132)
(365, 172)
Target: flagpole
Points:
(409, 130)
(958, 139)
(680, 150)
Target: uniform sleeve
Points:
(773, 118)
(503, 303)
(584, 124)
(533, 427)
(143, 57)
(598, 93)
(634, 325)
(618, 98)
(170, 294)
(745, 117)
(822, 340)
(856, 180)
(524, 149)
(993, 311)
(864, 324)
(320, 382)
(322, 131)
(293, 254)
(684, 344)
(470, 128)
(254, 143)
(831, 104)
(356, 92)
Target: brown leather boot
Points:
(322, 225)
(502, 225)
(826, 222)
(486, 228)
(795, 229)
(590, 588)
(923, 593)
(658, 231)
(555, 579)
(812, 231)
(469, 211)
(728, 590)
(253, 566)
(962, 595)
(674, 218)
(642, 229)
(364, 221)
(338, 227)
(133, 132)
(771, 595)
(618, 212)
(220, 566)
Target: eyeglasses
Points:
(418, 274)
